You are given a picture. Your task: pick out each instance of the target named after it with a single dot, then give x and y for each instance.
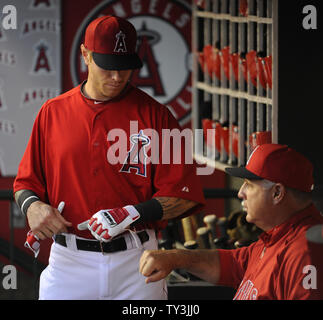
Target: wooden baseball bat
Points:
(189, 233)
(210, 221)
(203, 237)
(222, 223)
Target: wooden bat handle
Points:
(188, 230)
(203, 235)
(210, 220)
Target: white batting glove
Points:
(106, 224)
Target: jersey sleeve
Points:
(30, 173)
(176, 173)
(233, 264)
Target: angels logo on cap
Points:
(110, 55)
(120, 43)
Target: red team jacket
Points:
(73, 137)
(282, 264)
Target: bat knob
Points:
(210, 218)
(191, 244)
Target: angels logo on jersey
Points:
(137, 158)
(164, 42)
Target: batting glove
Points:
(106, 224)
(32, 241)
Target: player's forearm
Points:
(204, 264)
(174, 207)
(157, 264)
(162, 208)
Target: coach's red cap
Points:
(113, 43)
(277, 163)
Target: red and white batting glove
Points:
(106, 224)
(32, 241)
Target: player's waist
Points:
(126, 241)
(157, 225)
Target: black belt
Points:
(115, 245)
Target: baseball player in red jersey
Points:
(282, 264)
(92, 149)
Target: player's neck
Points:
(90, 93)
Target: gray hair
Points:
(266, 184)
(299, 195)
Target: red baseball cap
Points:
(112, 41)
(277, 163)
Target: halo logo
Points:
(164, 41)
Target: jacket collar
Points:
(272, 236)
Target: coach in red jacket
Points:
(282, 264)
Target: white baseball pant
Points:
(74, 274)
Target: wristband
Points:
(25, 199)
(149, 211)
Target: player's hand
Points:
(106, 224)
(45, 221)
(157, 264)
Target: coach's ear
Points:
(278, 193)
(86, 54)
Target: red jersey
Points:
(86, 154)
(281, 265)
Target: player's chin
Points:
(111, 92)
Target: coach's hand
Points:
(106, 224)
(156, 265)
(45, 221)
